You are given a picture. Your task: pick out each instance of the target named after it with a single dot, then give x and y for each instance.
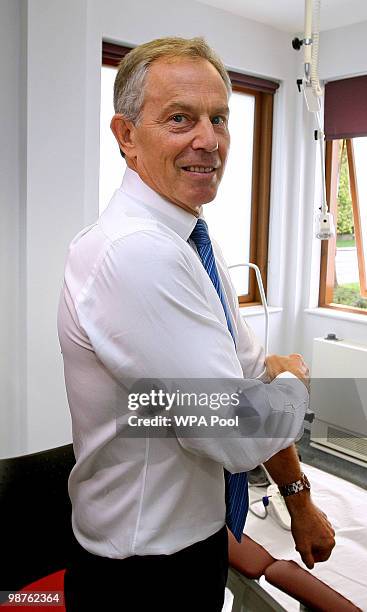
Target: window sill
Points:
(256, 311)
(330, 313)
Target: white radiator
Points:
(339, 398)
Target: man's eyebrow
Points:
(178, 105)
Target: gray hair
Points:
(131, 76)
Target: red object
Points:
(53, 582)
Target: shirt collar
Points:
(179, 220)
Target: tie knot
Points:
(200, 233)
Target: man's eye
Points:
(218, 120)
(178, 118)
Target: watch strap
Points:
(295, 487)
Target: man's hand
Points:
(312, 532)
(294, 363)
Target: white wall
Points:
(51, 110)
(343, 52)
(43, 207)
(10, 174)
(56, 92)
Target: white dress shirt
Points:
(137, 303)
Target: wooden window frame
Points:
(356, 218)
(263, 92)
(328, 247)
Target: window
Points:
(343, 283)
(239, 216)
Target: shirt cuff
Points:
(286, 375)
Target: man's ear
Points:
(123, 131)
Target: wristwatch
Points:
(295, 487)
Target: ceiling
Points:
(288, 15)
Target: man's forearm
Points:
(284, 467)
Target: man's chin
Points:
(194, 201)
(201, 197)
(201, 201)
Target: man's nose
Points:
(205, 137)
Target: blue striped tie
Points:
(236, 484)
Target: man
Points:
(145, 299)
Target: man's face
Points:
(180, 144)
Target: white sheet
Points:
(346, 507)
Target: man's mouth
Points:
(201, 169)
